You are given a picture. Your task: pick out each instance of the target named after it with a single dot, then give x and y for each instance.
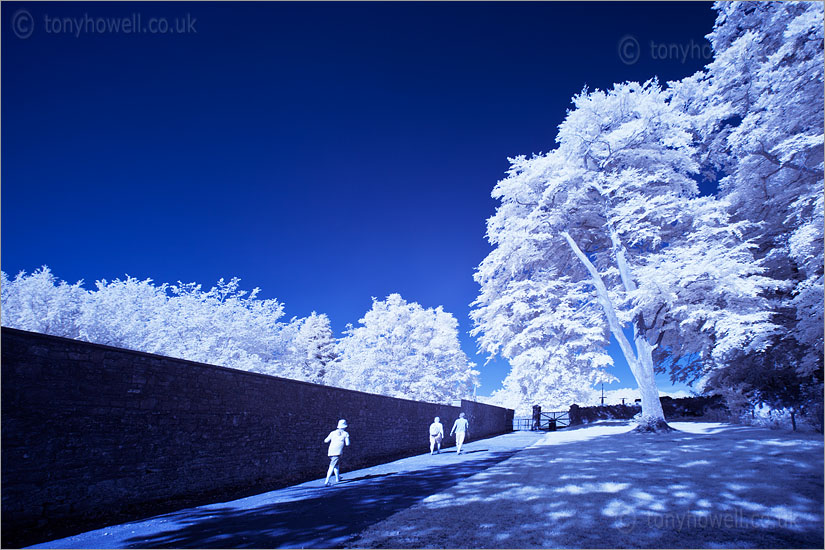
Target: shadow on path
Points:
(363, 478)
(319, 517)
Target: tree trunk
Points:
(640, 361)
(653, 417)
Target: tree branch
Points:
(773, 159)
(607, 306)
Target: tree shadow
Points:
(316, 517)
(362, 478)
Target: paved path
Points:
(308, 515)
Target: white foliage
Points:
(221, 326)
(690, 275)
(308, 348)
(404, 350)
(606, 231)
(40, 303)
(124, 313)
(562, 384)
(707, 290)
(759, 109)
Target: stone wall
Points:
(93, 435)
(684, 407)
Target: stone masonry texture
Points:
(94, 435)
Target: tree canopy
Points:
(607, 234)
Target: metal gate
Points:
(553, 420)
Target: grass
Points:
(705, 485)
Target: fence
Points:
(525, 424)
(549, 421)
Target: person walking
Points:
(436, 435)
(460, 427)
(337, 440)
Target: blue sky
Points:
(325, 152)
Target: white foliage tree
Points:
(758, 108)
(558, 388)
(126, 314)
(595, 236)
(555, 354)
(404, 350)
(308, 348)
(225, 323)
(223, 326)
(40, 303)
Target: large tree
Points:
(758, 113)
(609, 234)
(540, 326)
(759, 109)
(405, 350)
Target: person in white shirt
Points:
(436, 435)
(460, 427)
(337, 440)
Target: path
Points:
(308, 515)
